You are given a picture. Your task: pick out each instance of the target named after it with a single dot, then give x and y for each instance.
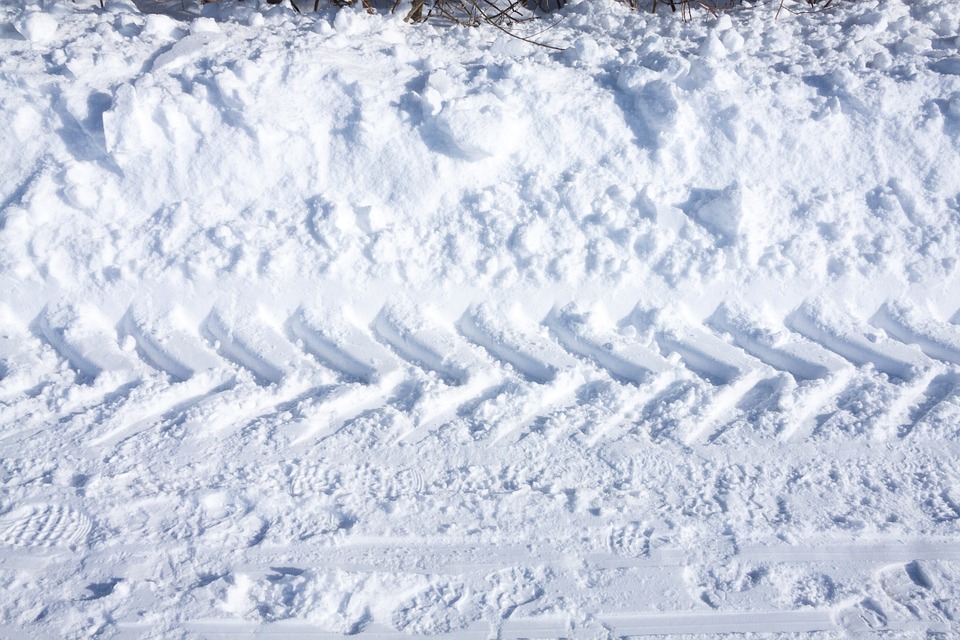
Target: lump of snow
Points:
(585, 50)
(438, 90)
(122, 6)
(722, 212)
(528, 239)
(508, 47)
(132, 126)
(723, 23)
(80, 187)
(351, 22)
(159, 26)
(588, 51)
(732, 40)
(632, 78)
(914, 45)
(478, 127)
(668, 67)
(947, 66)
(953, 105)
(204, 25)
(657, 104)
(36, 27)
(431, 101)
(372, 217)
(186, 49)
(881, 61)
(712, 47)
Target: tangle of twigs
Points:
(505, 15)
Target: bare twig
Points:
(519, 37)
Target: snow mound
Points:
(36, 26)
(479, 126)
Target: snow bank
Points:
(664, 165)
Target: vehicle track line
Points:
(846, 338)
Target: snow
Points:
(328, 323)
(37, 27)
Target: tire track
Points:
(521, 345)
(589, 336)
(774, 346)
(624, 418)
(503, 372)
(550, 376)
(84, 339)
(94, 371)
(942, 392)
(729, 372)
(938, 340)
(373, 375)
(27, 365)
(847, 338)
(462, 373)
(168, 345)
(252, 343)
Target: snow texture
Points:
(325, 323)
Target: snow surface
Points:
(332, 324)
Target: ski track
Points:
(45, 533)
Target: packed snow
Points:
(328, 323)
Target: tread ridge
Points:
(845, 338)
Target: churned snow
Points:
(327, 323)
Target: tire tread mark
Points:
(943, 390)
(166, 347)
(427, 346)
(846, 338)
(799, 419)
(82, 341)
(624, 359)
(938, 340)
(730, 372)
(803, 359)
(535, 357)
(257, 347)
(343, 347)
(700, 349)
